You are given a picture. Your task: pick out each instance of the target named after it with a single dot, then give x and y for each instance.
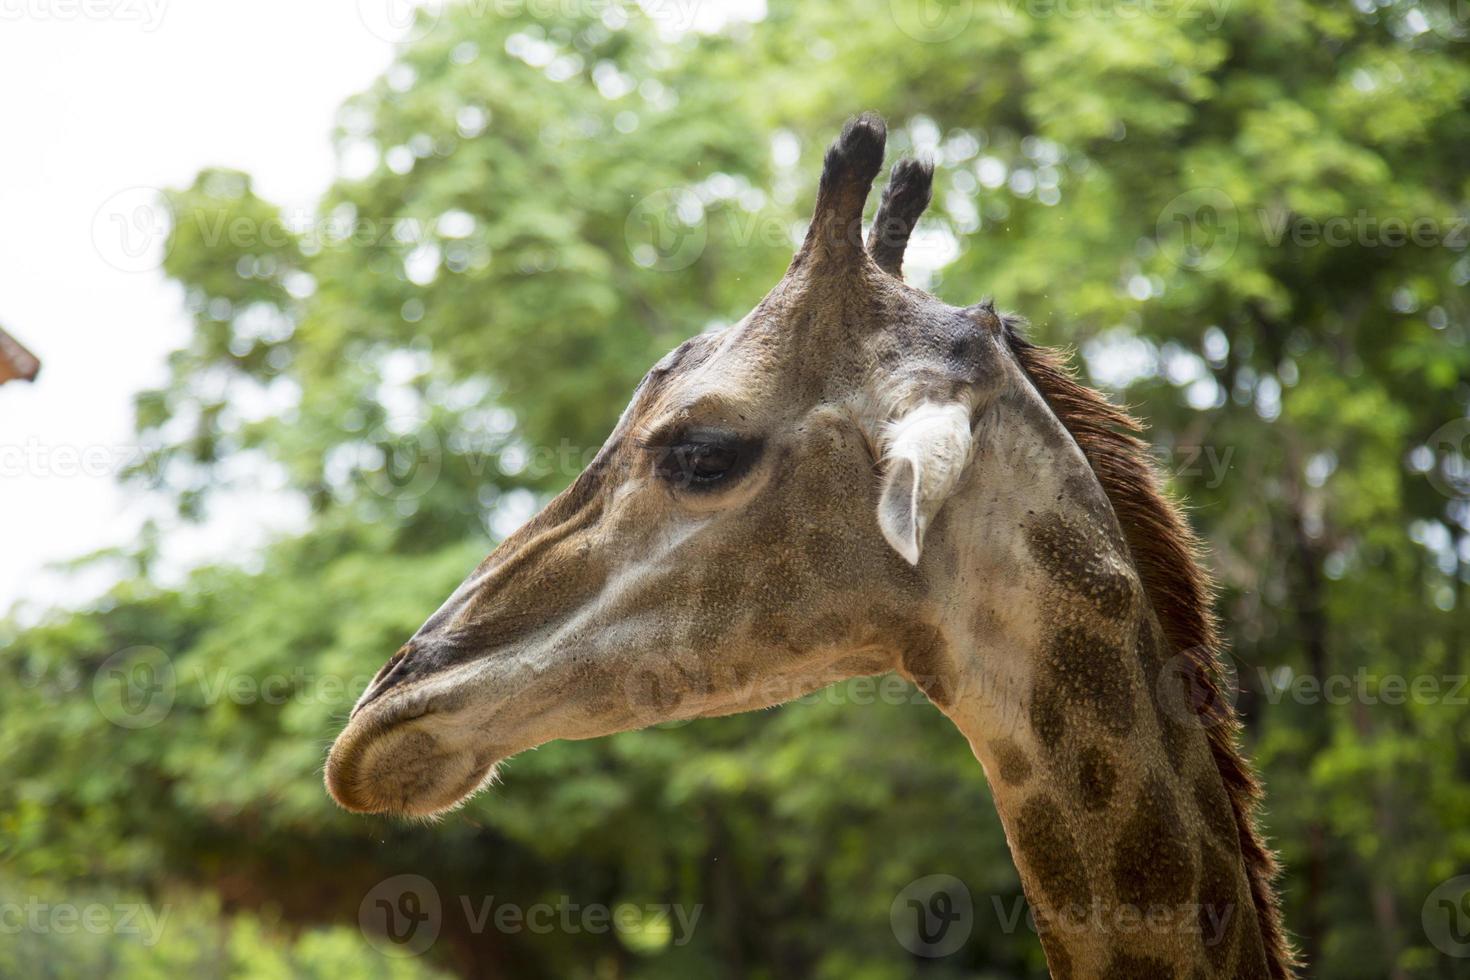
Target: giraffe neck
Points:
(1059, 676)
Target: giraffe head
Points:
(858, 478)
(753, 529)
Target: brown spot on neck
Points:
(1010, 762)
(1082, 671)
(1051, 854)
(926, 661)
(1214, 808)
(1152, 865)
(1128, 966)
(1219, 904)
(1079, 564)
(1096, 778)
(1163, 690)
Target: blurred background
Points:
(329, 298)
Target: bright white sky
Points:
(101, 96)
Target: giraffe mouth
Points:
(402, 756)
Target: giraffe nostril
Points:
(393, 662)
(398, 668)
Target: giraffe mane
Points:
(1167, 554)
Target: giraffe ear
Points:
(927, 451)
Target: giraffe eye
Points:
(704, 461)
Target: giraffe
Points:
(858, 478)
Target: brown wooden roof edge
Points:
(16, 363)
